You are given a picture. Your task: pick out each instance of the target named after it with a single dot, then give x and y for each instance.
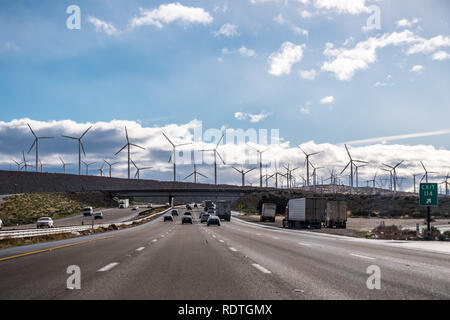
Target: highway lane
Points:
(110, 215)
(234, 261)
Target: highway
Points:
(167, 260)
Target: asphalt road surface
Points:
(168, 260)
(109, 216)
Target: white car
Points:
(150, 206)
(135, 208)
(45, 222)
(1, 224)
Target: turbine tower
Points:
(260, 153)
(128, 145)
(394, 173)
(173, 155)
(216, 153)
(195, 173)
(138, 170)
(110, 166)
(351, 164)
(307, 165)
(80, 147)
(87, 166)
(36, 145)
(243, 173)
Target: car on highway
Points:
(175, 212)
(186, 219)
(88, 211)
(149, 206)
(168, 217)
(98, 215)
(45, 222)
(204, 217)
(211, 210)
(213, 220)
(188, 213)
(135, 208)
(1, 224)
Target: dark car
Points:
(186, 219)
(188, 207)
(168, 217)
(175, 212)
(195, 205)
(187, 213)
(211, 210)
(204, 217)
(213, 220)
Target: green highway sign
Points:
(429, 194)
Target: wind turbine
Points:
(36, 145)
(25, 163)
(41, 165)
(87, 166)
(110, 166)
(357, 173)
(128, 145)
(216, 153)
(307, 165)
(64, 165)
(195, 173)
(289, 175)
(173, 154)
(314, 175)
(138, 170)
(425, 176)
(18, 164)
(80, 147)
(351, 164)
(374, 181)
(101, 170)
(394, 175)
(446, 183)
(260, 153)
(243, 173)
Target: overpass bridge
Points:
(13, 182)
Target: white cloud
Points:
(103, 26)
(327, 100)
(308, 74)
(243, 51)
(227, 30)
(305, 14)
(344, 62)
(254, 118)
(168, 13)
(281, 61)
(441, 55)
(406, 23)
(296, 29)
(353, 7)
(305, 110)
(417, 68)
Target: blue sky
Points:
(184, 69)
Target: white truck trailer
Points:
(268, 212)
(223, 210)
(305, 213)
(336, 215)
(124, 203)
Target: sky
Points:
(374, 74)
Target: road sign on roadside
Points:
(428, 194)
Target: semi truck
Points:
(124, 203)
(336, 215)
(305, 213)
(223, 210)
(268, 212)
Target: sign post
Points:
(428, 197)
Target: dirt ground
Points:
(355, 226)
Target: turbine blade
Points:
(249, 170)
(220, 140)
(200, 174)
(84, 133)
(168, 139)
(220, 157)
(344, 168)
(126, 134)
(121, 149)
(68, 137)
(135, 145)
(31, 148)
(82, 147)
(32, 130)
(348, 152)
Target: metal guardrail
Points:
(26, 233)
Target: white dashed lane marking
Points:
(360, 256)
(140, 249)
(108, 267)
(233, 249)
(260, 268)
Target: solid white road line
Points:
(360, 256)
(233, 249)
(304, 244)
(260, 268)
(140, 249)
(108, 267)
